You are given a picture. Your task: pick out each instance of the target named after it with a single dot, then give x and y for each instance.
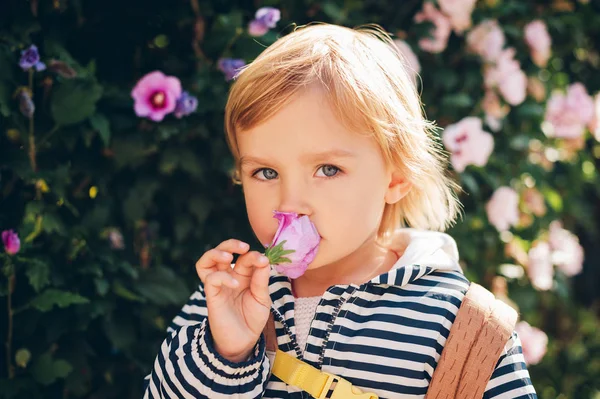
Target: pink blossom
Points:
(539, 42)
(567, 252)
(569, 114)
(300, 235)
(257, 28)
(539, 266)
(411, 61)
(468, 143)
(487, 40)
(156, 95)
(441, 30)
(533, 341)
(508, 77)
(11, 241)
(503, 208)
(459, 12)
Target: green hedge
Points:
(113, 210)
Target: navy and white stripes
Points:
(385, 336)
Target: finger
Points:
(216, 281)
(259, 285)
(210, 261)
(234, 246)
(247, 262)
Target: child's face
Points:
(303, 160)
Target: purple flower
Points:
(156, 95)
(11, 241)
(230, 67)
(300, 240)
(186, 104)
(264, 19)
(30, 58)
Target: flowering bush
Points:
(114, 171)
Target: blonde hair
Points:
(365, 80)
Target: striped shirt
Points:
(385, 336)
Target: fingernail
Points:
(225, 255)
(263, 259)
(235, 282)
(243, 245)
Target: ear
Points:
(397, 189)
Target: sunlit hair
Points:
(365, 80)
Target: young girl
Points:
(327, 123)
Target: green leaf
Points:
(162, 286)
(52, 224)
(200, 207)
(458, 100)
(124, 292)
(102, 286)
(53, 297)
(101, 124)
(140, 198)
(4, 99)
(47, 370)
(38, 274)
(553, 198)
(74, 101)
(276, 254)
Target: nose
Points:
(294, 197)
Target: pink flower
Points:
(459, 12)
(468, 143)
(567, 252)
(569, 114)
(494, 110)
(11, 242)
(413, 67)
(539, 266)
(300, 235)
(539, 42)
(503, 208)
(487, 40)
(256, 28)
(156, 95)
(533, 341)
(441, 32)
(508, 77)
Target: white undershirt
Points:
(304, 312)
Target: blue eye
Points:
(329, 170)
(267, 174)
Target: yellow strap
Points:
(297, 373)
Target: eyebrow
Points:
(314, 157)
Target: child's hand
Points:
(237, 299)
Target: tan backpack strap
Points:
(477, 337)
(270, 334)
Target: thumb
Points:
(259, 285)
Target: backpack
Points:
(482, 327)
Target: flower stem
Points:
(32, 151)
(9, 334)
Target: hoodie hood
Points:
(427, 248)
(421, 252)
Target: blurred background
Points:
(107, 201)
